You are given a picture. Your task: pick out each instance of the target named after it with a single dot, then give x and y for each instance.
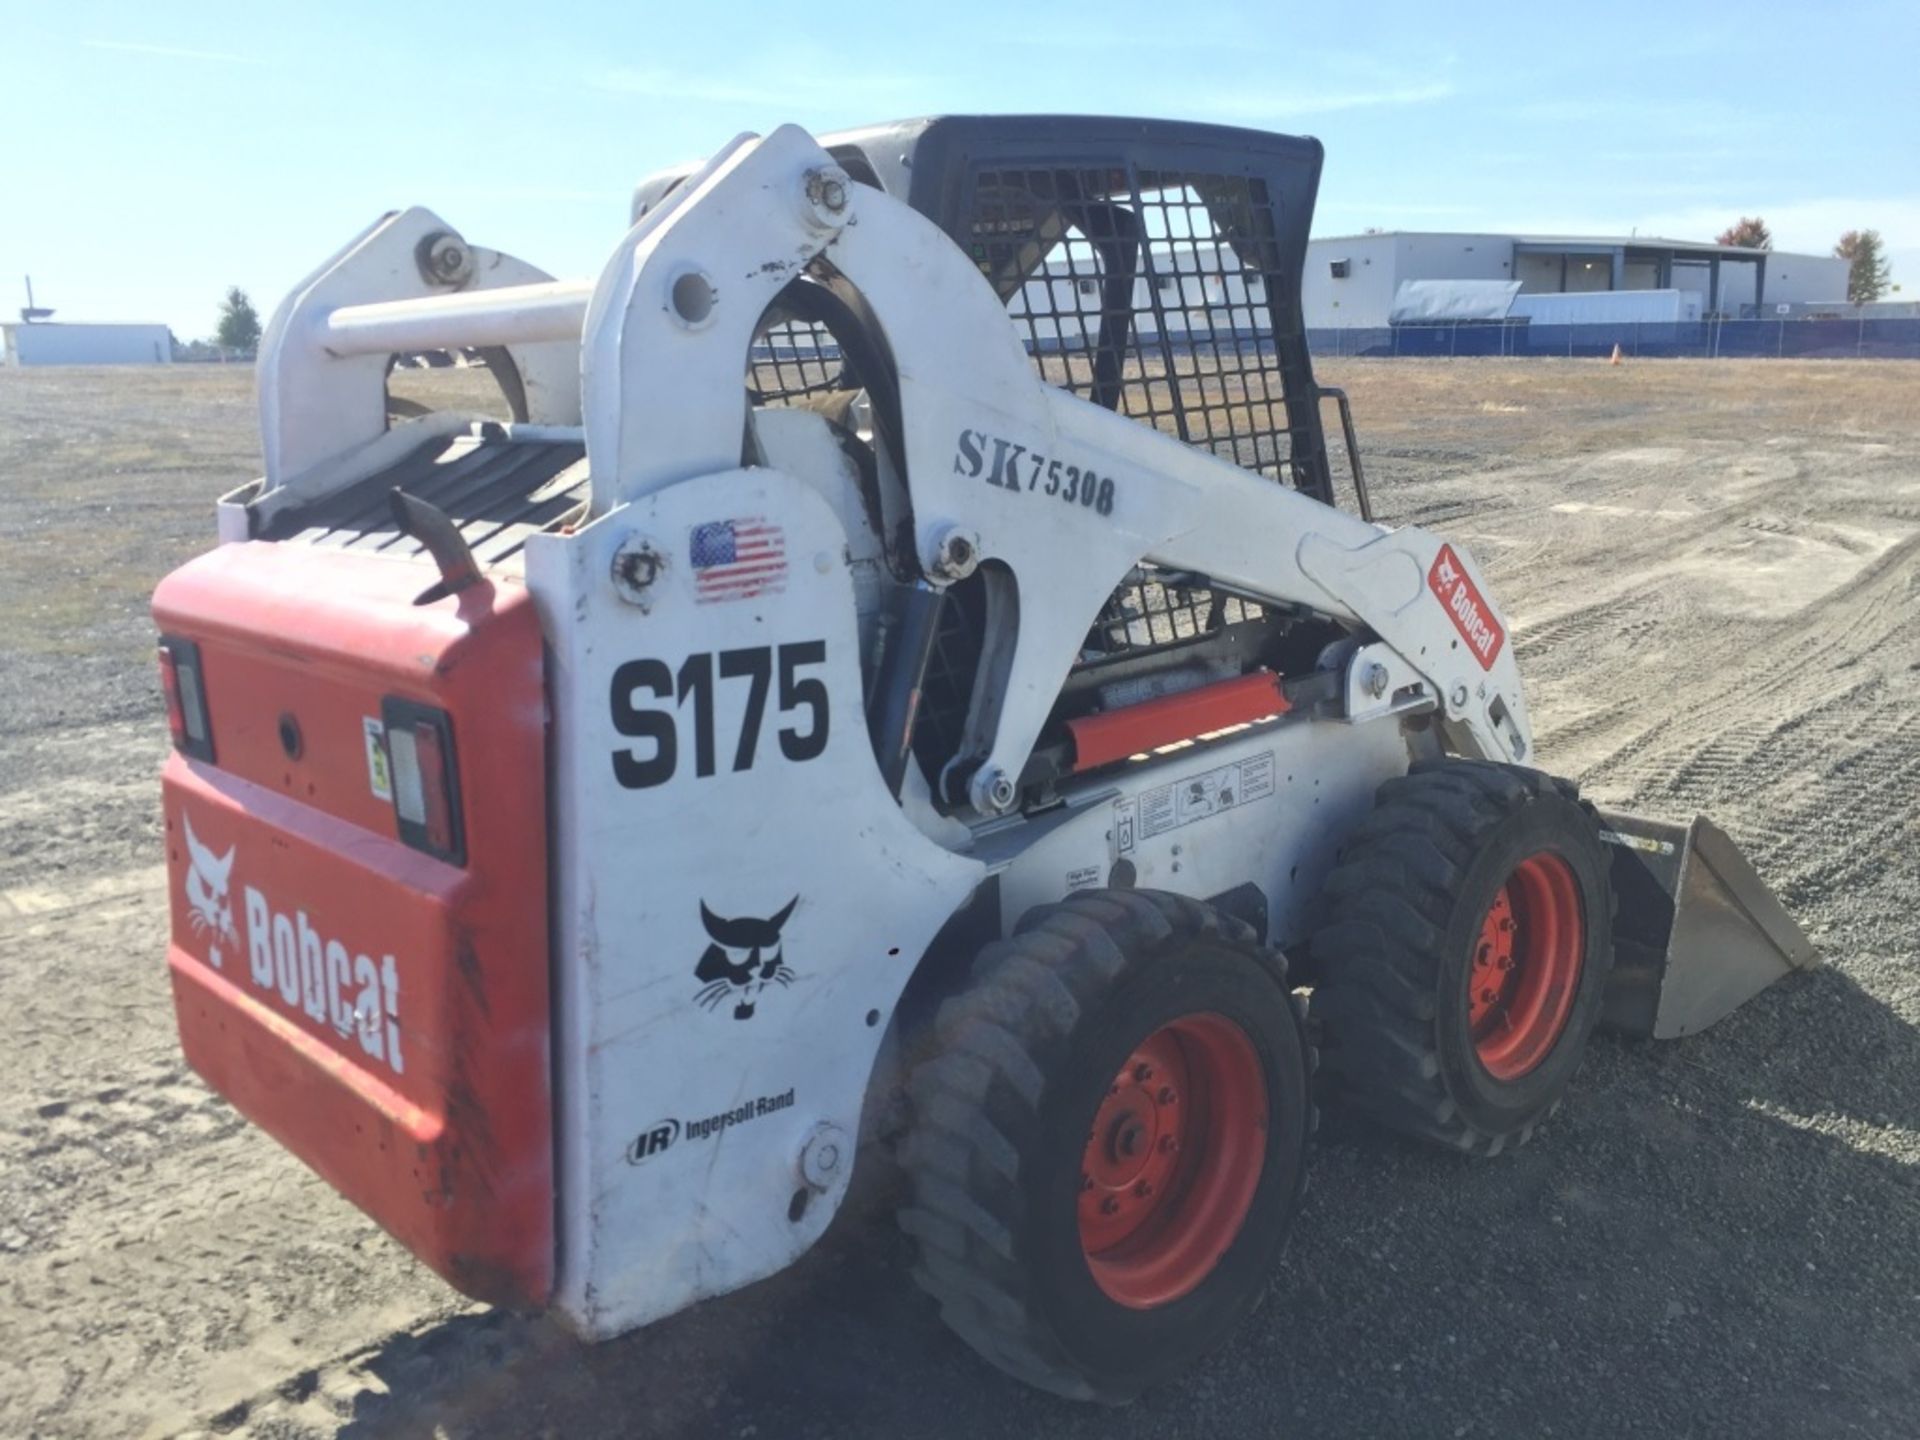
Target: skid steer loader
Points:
(898, 641)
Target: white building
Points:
(1352, 279)
(47, 343)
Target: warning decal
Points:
(1168, 807)
(378, 779)
(1637, 842)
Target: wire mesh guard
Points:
(1149, 292)
(792, 359)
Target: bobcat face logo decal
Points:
(725, 973)
(209, 906)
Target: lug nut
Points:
(1143, 1072)
(1143, 1189)
(1086, 1182)
(1168, 1144)
(1166, 1095)
(1110, 1205)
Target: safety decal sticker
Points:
(1472, 616)
(379, 779)
(1182, 802)
(1643, 843)
(737, 559)
(1085, 877)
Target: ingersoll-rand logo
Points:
(1471, 614)
(289, 956)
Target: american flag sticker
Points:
(737, 560)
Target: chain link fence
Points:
(1694, 339)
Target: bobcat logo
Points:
(209, 907)
(722, 976)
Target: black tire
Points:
(1003, 1114)
(1395, 956)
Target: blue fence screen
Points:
(1698, 339)
(1695, 339)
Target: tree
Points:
(1867, 269)
(239, 322)
(1750, 234)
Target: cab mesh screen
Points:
(1149, 292)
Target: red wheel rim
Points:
(1526, 967)
(1172, 1161)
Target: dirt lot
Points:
(1713, 572)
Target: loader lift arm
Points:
(1168, 504)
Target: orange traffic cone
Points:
(1616, 354)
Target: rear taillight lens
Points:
(180, 679)
(426, 781)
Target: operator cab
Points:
(1151, 267)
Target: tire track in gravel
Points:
(1788, 667)
(123, 1176)
(156, 1194)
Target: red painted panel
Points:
(382, 1013)
(1115, 734)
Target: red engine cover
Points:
(382, 1013)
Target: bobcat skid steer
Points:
(900, 667)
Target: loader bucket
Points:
(1696, 933)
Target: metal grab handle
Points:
(1334, 392)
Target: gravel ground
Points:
(1713, 574)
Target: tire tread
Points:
(1378, 950)
(974, 1103)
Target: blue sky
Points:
(155, 153)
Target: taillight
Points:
(426, 781)
(186, 694)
